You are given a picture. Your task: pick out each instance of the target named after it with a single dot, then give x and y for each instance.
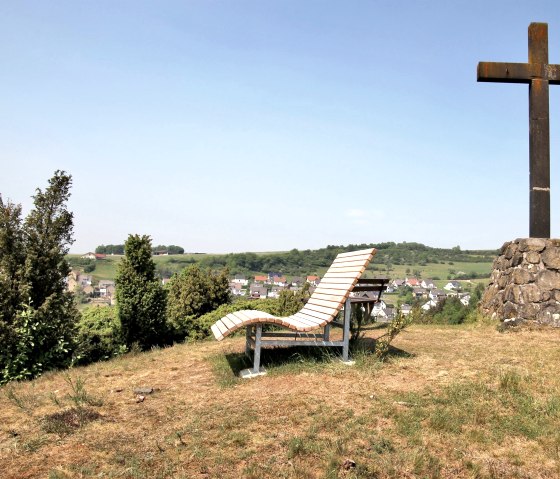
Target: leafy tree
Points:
(192, 293)
(110, 249)
(140, 295)
(173, 249)
(37, 314)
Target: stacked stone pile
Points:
(525, 282)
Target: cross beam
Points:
(538, 74)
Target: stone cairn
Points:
(525, 283)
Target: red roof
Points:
(261, 278)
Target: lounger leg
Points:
(257, 353)
(346, 334)
(248, 334)
(327, 332)
(256, 370)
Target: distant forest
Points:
(119, 249)
(296, 261)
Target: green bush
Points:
(191, 294)
(98, 335)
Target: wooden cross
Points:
(538, 74)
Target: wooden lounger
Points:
(322, 308)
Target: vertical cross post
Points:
(539, 136)
(538, 74)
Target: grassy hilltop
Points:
(450, 402)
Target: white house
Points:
(275, 292)
(452, 285)
(314, 280)
(279, 281)
(429, 305)
(427, 284)
(465, 299)
(240, 279)
(406, 309)
(106, 288)
(437, 294)
(378, 308)
(237, 289)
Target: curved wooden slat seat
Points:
(322, 307)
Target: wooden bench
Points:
(320, 311)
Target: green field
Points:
(107, 268)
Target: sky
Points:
(229, 126)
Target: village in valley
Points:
(401, 293)
(424, 292)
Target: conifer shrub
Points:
(140, 296)
(37, 315)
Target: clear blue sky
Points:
(244, 125)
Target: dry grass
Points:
(450, 402)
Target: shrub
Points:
(193, 293)
(98, 335)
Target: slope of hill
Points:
(450, 402)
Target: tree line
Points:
(298, 262)
(118, 249)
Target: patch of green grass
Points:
(26, 401)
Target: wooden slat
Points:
(348, 280)
(305, 321)
(334, 289)
(335, 298)
(228, 323)
(292, 323)
(217, 334)
(221, 327)
(243, 316)
(318, 322)
(347, 275)
(350, 262)
(235, 319)
(347, 269)
(328, 304)
(321, 309)
(315, 314)
(362, 258)
(356, 253)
